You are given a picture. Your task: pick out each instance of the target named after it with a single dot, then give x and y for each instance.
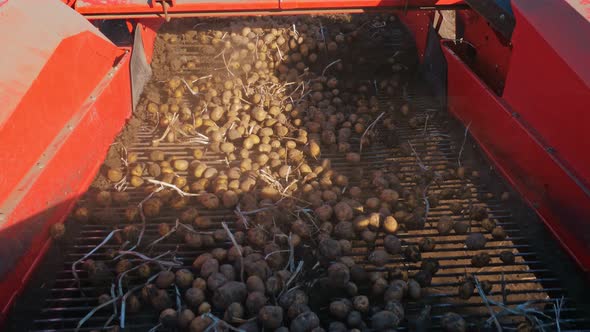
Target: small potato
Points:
(389, 196)
(427, 244)
(180, 164)
(185, 318)
(498, 233)
(306, 321)
(414, 290)
(461, 227)
(338, 274)
(390, 225)
(480, 260)
(329, 249)
(184, 278)
(392, 244)
(384, 320)
(343, 211)
(339, 309)
(169, 318)
(475, 241)
(445, 225)
(194, 297)
(229, 199)
(271, 317)
(452, 322)
(507, 257)
(353, 157)
(200, 323)
(466, 289)
(114, 175)
(165, 279)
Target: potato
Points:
(184, 278)
(353, 157)
(395, 292)
(305, 322)
(255, 284)
(169, 318)
(466, 289)
(180, 164)
(114, 175)
(301, 228)
(230, 292)
(379, 257)
(338, 274)
(160, 300)
(389, 196)
(165, 279)
(329, 249)
(456, 207)
(507, 257)
(412, 253)
(444, 225)
(426, 244)
(234, 313)
(344, 230)
(314, 149)
(488, 224)
(255, 301)
(271, 317)
(215, 280)
(324, 212)
(256, 237)
(390, 225)
(414, 290)
(57, 231)
(194, 297)
(209, 201)
(498, 233)
(157, 155)
(475, 241)
(480, 260)
(392, 244)
(461, 227)
(200, 324)
(208, 267)
(343, 211)
(383, 320)
(452, 322)
(151, 207)
(339, 309)
(229, 199)
(185, 317)
(293, 297)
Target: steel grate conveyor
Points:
(528, 279)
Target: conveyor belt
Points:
(526, 280)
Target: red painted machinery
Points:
(517, 77)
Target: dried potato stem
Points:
(369, 127)
(463, 144)
(74, 264)
(330, 65)
(171, 186)
(217, 321)
(238, 248)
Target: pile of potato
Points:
(286, 94)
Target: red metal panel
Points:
(149, 29)
(87, 117)
(418, 22)
(521, 158)
(549, 79)
(79, 63)
(180, 6)
(30, 32)
(309, 4)
(492, 59)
